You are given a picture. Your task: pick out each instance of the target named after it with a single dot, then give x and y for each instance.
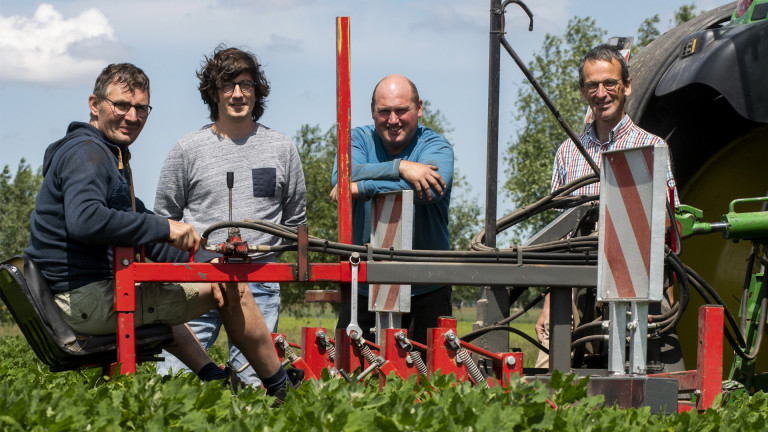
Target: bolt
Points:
(409, 361)
(400, 336)
(511, 361)
(606, 324)
(125, 262)
(450, 336)
(631, 325)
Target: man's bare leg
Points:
(187, 348)
(244, 324)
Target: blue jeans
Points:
(207, 327)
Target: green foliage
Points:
(646, 33)
(33, 399)
(685, 13)
(531, 152)
(17, 200)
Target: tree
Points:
(684, 13)
(464, 215)
(530, 154)
(17, 200)
(646, 33)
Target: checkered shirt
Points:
(570, 164)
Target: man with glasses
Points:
(268, 180)
(396, 153)
(86, 205)
(605, 84)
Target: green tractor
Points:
(701, 86)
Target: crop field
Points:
(34, 399)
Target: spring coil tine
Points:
(474, 371)
(331, 352)
(367, 353)
(418, 362)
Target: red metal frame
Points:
(707, 380)
(314, 353)
(343, 127)
(439, 355)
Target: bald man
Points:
(396, 153)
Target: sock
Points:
(211, 372)
(275, 382)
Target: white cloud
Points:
(47, 48)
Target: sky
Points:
(51, 53)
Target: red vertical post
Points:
(396, 355)
(125, 306)
(709, 377)
(343, 126)
(343, 130)
(314, 352)
(439, 354)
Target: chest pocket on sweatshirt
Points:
(264, 182)
(120, 199)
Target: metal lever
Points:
(353, 326)
(230, 185)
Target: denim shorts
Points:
(90, 308)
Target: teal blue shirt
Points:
(376, 171)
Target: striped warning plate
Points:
(631, 246)
(392, 227)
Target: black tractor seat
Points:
(27, 296)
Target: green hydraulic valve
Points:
(734, 225)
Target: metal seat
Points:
(27, 296)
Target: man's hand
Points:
(352, 192)
(422, 177)
(183, 236)
(543, 319)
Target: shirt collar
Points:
(614, 134)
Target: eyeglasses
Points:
(609, 85)
(245, 86)
(387, 112)
(122, 108)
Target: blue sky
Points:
(51, 53)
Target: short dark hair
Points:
(225, 65)
(608, 53)
(413, 90)
(125, 74)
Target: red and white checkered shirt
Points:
(570, 164)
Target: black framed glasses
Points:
(609, 85)
(246, 86)
(122, 108)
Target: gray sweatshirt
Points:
(269, 183)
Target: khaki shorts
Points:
(90, 308)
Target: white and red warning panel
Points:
(632, 216)
(391, 227)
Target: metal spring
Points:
(418, 362)
(329, 347)
(474, 372)
(365, 351)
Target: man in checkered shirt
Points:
(605, 84)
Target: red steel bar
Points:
(125, 306)
(709, 362)
(343, 127)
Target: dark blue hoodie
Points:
(83, 209)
